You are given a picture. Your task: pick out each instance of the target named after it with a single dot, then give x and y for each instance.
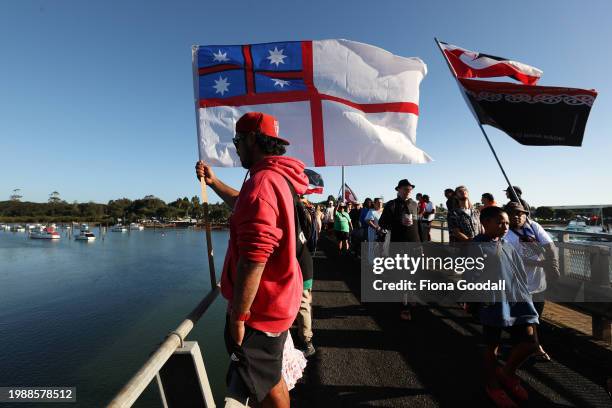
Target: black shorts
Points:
(258, 361)
(518, 334)
(342, 236)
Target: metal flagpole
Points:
(343, 186)
(510, 186)
(209, 247)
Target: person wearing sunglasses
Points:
(261, 278)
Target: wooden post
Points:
(600, 267)
(602, 328)
(442, 231)
(563, 237)
(209, 246)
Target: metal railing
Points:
(581, 261)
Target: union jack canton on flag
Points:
(338, 102)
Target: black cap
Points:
(517, 189)
(403, 183)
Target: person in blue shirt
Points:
(510, 309)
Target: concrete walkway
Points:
(366, 356)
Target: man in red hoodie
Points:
(261, 276)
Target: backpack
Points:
(303, 217)
(303, 233)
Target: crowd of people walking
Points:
(534, 266)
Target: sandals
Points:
(406, 315)
(512, 384)
(500, 398)
(542, 357)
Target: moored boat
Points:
(119, 228)
(136, 227)
(576, 226)
(85, 236)
(45, 233)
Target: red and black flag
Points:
(530, 114)
(349, 195)
(315, 182)
(470, 64)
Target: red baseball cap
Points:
(259, 122)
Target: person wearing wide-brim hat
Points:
(399, 216)
(519, 193)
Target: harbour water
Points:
(88, 314)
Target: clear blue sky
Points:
(97, 98)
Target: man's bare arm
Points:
(227, 193)
(248, 277)
(460, 235)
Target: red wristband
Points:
(242, 317)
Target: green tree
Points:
(54, 198)
(196, 208)
(564, 214)
(147, 207)
(219, 213)
(118, 208)
(544, 212)
(16, 196)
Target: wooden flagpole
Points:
(209, 246)
(204, 192)
(510, 186)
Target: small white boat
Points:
(119, 228)
(85, 236)
(45, 233)
(84, 227)
(18, 228)
(136, 227)
(577, 226)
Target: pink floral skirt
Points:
(294, 363)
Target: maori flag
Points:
(530, 114)
(470, 64)
(315, 182)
